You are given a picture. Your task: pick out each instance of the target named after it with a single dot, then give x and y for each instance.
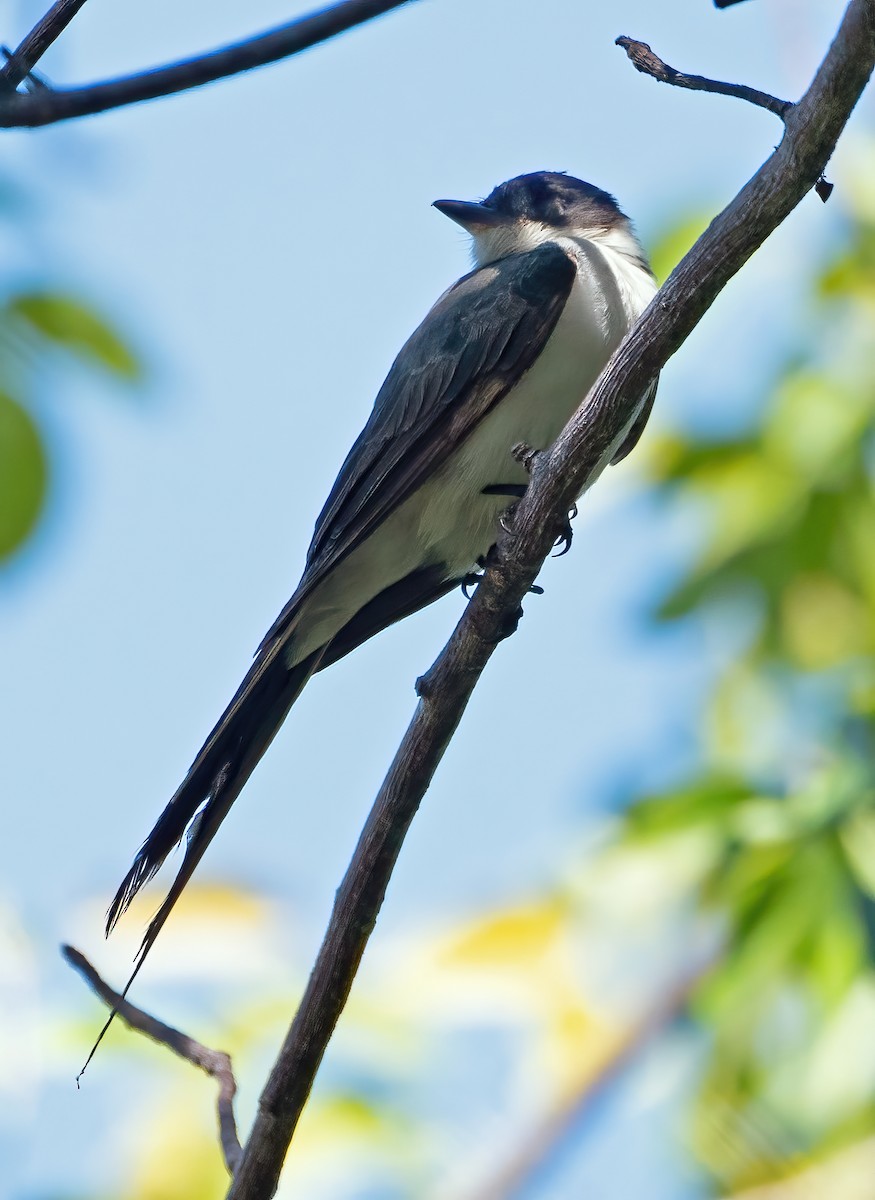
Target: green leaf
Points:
(674, 242)
(23, 475)
(837, 953)
(78, 328)
(710, 801)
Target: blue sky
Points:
(268, 243)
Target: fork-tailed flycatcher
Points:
(504, 357)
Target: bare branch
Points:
(216, 1063)
(644, 60)
(47, 30)
(812, 128)
(50, 105)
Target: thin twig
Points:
(47, 30)
(216, 1063)
(648, 63)
(46, 107)
(644, 60)
(560, 476)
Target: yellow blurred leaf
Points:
(513, 937)
(823, 623)
(175, 1153)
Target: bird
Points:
(504, 357)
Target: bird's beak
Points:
(469, 215)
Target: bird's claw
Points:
(565, 537)
(505, 519)
(472, 579)
(468, 581)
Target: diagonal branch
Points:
(812, 128)
(216, 1063)
(47, 30)
(49, 105)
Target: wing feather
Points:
(475, 343)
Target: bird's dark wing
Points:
(473, 346)
(633, 437)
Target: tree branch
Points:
(47, 30)
(50, 105)
(560, 475)
(216, 1063)
(644, 60)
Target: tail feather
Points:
(246, 729)
(228, 758)
(241, 736)
(201, 803)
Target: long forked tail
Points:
(214, 781)
(215, 778)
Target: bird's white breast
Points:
(605, 300)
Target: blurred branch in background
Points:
(580, 1098)
(48, 105)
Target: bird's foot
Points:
(527, 457)
(473, 578)
(565, 537)
(468, 581)
(516, 491)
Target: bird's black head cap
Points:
(555, 199)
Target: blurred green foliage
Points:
(35, 325)
(785, 802)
